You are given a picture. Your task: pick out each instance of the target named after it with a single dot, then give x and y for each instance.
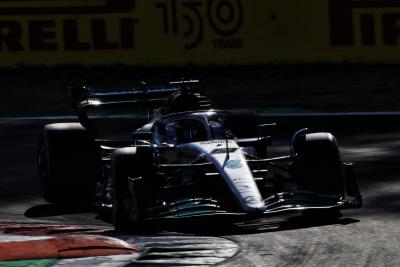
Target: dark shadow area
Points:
(225, 226)
(221, 228)
(49, 210)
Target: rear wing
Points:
(145, 96)
(86, 97)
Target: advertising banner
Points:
(201, 32)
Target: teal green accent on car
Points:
(234, 164)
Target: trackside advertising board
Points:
(180, 32)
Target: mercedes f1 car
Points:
(189, 160)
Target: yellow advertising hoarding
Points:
(180, 32)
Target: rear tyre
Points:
(129, 167)
(244, 123)
(69, 163)
(317, 165)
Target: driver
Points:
(188, 131)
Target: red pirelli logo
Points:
(37, 7)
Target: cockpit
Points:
(188, 130)
(182, 131)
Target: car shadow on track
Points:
(229, 228)
(224, 227)
(50, 210)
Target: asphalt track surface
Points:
(365, 237)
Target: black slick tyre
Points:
(130, 167)
(317, 166)
(244, 123)
(69, 163)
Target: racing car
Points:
(188, 161)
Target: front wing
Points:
(295, 202)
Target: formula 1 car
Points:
(188, 161)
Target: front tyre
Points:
(244, 123)
(129, 167)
